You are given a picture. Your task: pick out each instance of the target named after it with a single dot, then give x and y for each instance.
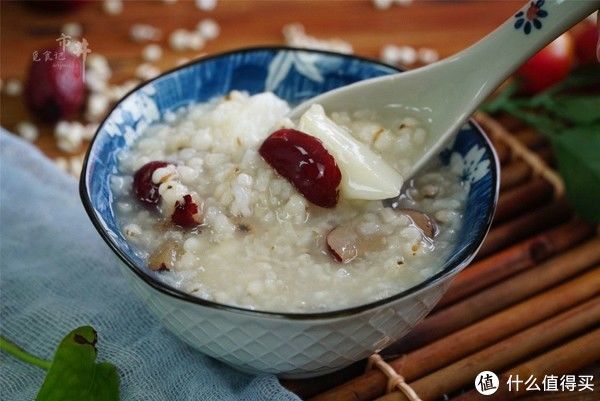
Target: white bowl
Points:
(291, 345)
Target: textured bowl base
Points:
(290, 375)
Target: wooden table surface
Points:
(446, 26)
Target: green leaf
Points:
(542, 122)
(578, 109)
(571, 120)
(583, 77)
(75, 376)
(19, 353)
(578, 154)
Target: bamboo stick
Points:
(509, 122)
(502, 151)
(524, 226)
(525, 197)
(519, 151)
(501, 324)
(537, 396)
(307, 388)
(468, 340)
(568, 358)
(515, 259)
(509, 291)
(513, 349)
(530, 138)
(546, 155)
(514, 174)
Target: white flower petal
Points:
(479, 171)
(457, 164)
(306, 66)
(278, 70)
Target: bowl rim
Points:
(468, 252)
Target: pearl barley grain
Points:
(89, 130)
(112, 7)
(27, 130)
(144, 33)
(116, 92)
(75, 166)
(62, 163)
(13, 87)
(99, 64)
(146, 71)
(97, 106)
(69, 136)
(390, 54)
(152, 53)
(296, 36)
(407, 55)
(208, 29)
(382, 4)
(178, 40)
(427, 55)
(206, 5)
(72, 29)
(195, 41)
(132, 230)
(94, 81)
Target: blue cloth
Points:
(57, 274)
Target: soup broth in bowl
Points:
(257, 242)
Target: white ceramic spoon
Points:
(442, 95)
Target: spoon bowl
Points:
(443, 95)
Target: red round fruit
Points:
(54, 88)
(586, 39)
(549, 66)
(186, 213)
(305, 163)
(146, 191)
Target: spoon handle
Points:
(528, 30)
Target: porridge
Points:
(225, 209)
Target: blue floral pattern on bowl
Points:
(294, 75)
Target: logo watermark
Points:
(78, 48)
(487, 383)
(551, 383)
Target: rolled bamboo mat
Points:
(528, 304)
